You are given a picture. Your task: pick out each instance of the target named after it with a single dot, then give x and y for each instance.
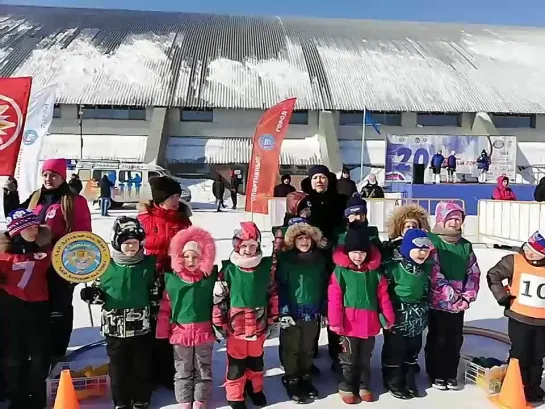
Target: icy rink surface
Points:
(484, 313)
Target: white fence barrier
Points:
(509, 222)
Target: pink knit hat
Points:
(448, 210)
(57, 166)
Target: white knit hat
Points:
(192, 245)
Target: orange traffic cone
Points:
(66, 394)
(511, 395)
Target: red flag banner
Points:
(14, 96)
(269, 134)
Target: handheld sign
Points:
(80, 257)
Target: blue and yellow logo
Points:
(80, 257)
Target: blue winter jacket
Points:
(451, 162)
(437, 160)
(483, 163)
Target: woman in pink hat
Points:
(63, 212)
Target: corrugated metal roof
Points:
(238, 150)
(201, 60)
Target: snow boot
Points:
(399, 392)
(185, 405)
(257, 398)
(452, 384)
(533, 394)
(349, 398)
(293, 389)
(199, 405)
(439, 383)
(365, 394)
(308, 387)
(410, 382)
(237, 404)
(144, 405)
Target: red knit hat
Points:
(57, 166)
(249, 232)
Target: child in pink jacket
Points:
(358, 302)
(185, 314)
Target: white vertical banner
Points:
(38, 121)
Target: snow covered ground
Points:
(484, 313)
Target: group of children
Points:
(420, 278)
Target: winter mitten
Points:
(91, 294)
(286, 321)
(506, 301)
(273, 331)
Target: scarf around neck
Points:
(123, 260)
(448, 235)
(246, 263)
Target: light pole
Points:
(80, 116)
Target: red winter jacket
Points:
(25, 275)
(503, 192)
(160, 226)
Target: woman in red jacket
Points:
(63, 212)
(161, 218)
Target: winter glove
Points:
(461, 304)
(506, 301)
(286, 321)
(273, 331)
(92, 294)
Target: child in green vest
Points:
(126, 291)
(245, 312)
(297, 206)
(301, 277)
(357, 296)
(402, 219)
(455, 283)
(185, 314)
(409, 282)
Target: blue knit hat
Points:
(20, 219)
(355, 205)
(414, 239)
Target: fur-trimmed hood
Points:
(44, 239)
(372, 262)
(207, 248)
(402, 213)
(299, 229)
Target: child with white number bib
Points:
(524, 302)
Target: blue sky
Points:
(512, 12)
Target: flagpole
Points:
(362, 143)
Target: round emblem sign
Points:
(29, 137)
(267, 142)
(11, 119)
(80, 257)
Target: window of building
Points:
(113, 112)
(57, 111)
(438, 119)
(386, 118)
(197, 115)
(130, 176)
(299, 118)
(514, 121)
(350, 118)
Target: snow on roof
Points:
(200, 60)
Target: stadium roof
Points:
(200, 60)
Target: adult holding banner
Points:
(63, 212)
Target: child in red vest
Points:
(24, 303)
(245, 311)
(357, 298)
(185, 315)
(524, 304)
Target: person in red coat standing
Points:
(161, 218)
(63, 212)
